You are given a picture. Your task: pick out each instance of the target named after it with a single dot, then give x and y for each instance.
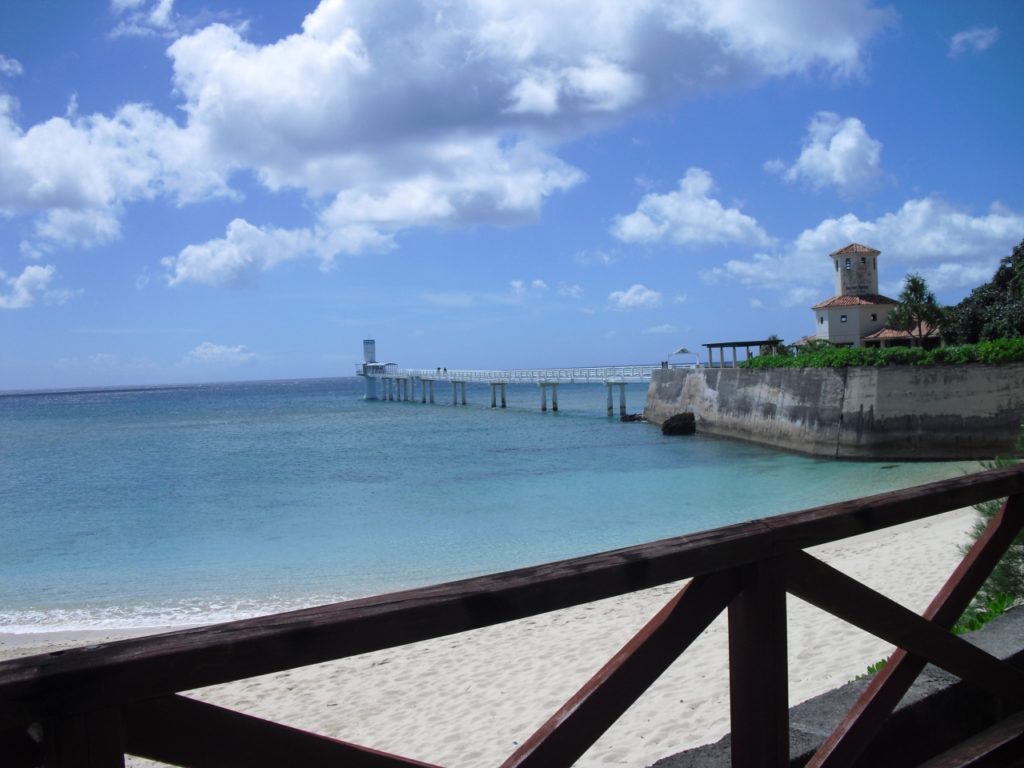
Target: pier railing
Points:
(601, 374)
(89, 706)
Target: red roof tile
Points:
(855, 248)
(853, 301)
(886, 332)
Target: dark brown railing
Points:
(89, 706)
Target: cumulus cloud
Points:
(387, 115)
(689, 216)
(837, 152)
(974, 39)
(637, 297)
(238, 257)
(570, 290)
(77, 172)
(10, 67)
(34, 282)
(951, 248)
(220, 354)
(659, 329)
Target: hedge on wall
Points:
(991, 352)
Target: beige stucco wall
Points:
(896, 412)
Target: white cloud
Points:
(570, 291)
(756, 304)
(658, 329)
(388, 117)
(22, 291)
(539, 285)
(951, 248)
(975, 39)
(10, 67)
(144, 18)
(77, 172)
(688, 216)
(837, 152)
(219, 354)
(237, 258)
(637, 297)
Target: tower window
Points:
(821, 319)
(837, 265)
(864, 260)
(842, 318)
(874, 317)
(848, 264)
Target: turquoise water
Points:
(182, 505)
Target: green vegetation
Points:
(992, 311)
(978, 614)
(878, 666)
(821, 354)
(917, 310)
(1005, 586)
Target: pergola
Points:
(721, 346)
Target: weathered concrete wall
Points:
(896, 412)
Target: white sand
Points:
(468, 700)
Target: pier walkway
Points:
(400, 384)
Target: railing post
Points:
(758, 682)
(87, 740)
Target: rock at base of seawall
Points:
(680, 424)
(632, 417)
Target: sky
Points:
(197, 191)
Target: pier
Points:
(386, 381)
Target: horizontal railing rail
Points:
(599, 374)
(124, 697)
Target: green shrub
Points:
(821, 354)
(1004, 587)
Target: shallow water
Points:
(183, 505)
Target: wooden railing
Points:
(89, 706)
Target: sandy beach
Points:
(468, 700)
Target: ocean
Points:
(178, 505)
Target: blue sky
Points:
(208, 191)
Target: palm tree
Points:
(917, 309)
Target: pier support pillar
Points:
(544, 395)
(495, 386)
(622, 396)
(462, 384)
(734, 357)
(430, 384)
(454, 389)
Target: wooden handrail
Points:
(69, 685)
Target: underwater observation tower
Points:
(371, 370)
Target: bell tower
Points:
(856, 269)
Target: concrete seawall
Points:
(897, 412)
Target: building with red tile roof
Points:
(857, 310)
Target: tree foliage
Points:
(917, 308)
(994, 310)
